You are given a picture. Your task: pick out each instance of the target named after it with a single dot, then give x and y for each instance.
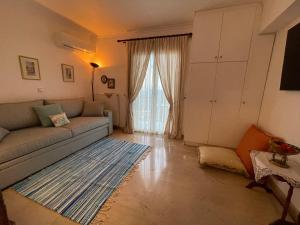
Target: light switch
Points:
(40, 90)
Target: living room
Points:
(149, 112)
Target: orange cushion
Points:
(254, 139)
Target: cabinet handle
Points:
(243, 102)
(211, 101)
(216, 57)
(215, 101)
(221, 57)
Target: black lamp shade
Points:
(95, 65)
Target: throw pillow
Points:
(92, 109)
(3, 133)
(59, 119)
(221, 158)
(45, 111)
(254, 139)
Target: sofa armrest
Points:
(108, 113)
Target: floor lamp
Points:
(95, 66)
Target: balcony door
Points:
(151, 108)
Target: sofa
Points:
(29, 147)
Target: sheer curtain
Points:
(155, 70)
(151, 108)
(138, 59)
(170, 54)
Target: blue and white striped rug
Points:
(77, 186)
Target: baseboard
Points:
(189, 143)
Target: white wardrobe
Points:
(229, 63)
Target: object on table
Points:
(281, 151)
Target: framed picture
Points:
(67, 73)
(30, 69)
(111, 83)
(104, 79)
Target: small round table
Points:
(263, 168)
(3, 214)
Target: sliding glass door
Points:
(151, 108)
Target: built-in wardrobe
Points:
(228, 68)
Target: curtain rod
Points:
(153, 37)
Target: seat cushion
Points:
(79, 125)
(21, 142)
(222, 158)
(72, 107)
(254, 139)
(19, 115)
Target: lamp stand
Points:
(94, 65)
(93, 78)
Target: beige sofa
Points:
(29, 147)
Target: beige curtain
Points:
(138, 60)
(170, 54)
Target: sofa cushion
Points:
(221, 158)
(254, 139)
(3, 133)
(72, 107)
(93, 109)
(60, 119)
(24, 141)
(19, 115)
(79, 125)
(45, 111)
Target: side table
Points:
(263, 168)
(3, 214)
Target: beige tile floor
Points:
(168, 188)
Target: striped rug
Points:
(77, 186)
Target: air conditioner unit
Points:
(68, 41)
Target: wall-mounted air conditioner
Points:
(68, 41)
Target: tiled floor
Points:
(168, 188)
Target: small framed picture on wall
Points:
(111, 83)
(30, 69)
(67, 73)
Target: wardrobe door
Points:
(198, 103)
(255, 80)
(228, 92)
(236, 34)
(206, 36)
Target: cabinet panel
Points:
(206, 36)
(199, 93)
(228, 93)
(255, 80)
(236, 34)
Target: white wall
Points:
(112, 58)
(280, 114)
(272, 10)
(28, 29)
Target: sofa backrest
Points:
(72, 107)
(19, 115)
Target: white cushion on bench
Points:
(222, 158)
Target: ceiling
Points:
(115, 17)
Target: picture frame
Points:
(104, 79)
(30, 69)
(67, 73)
(111, 83)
